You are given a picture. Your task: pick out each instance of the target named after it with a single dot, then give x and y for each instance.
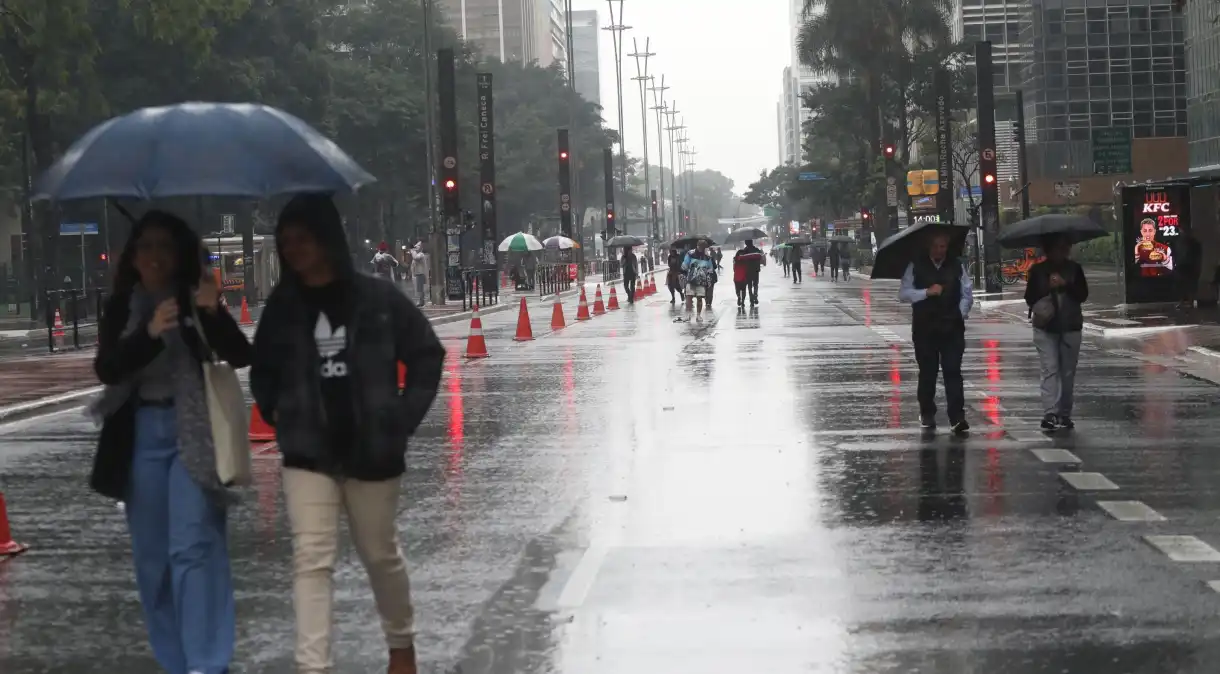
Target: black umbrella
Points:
(200, 149)
(625, 240)
(745, 234)
(1029, 233)
(898, 250)
(691, 241)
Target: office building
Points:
(798, 80)
(511, 30)
(1203, 85)
(1105, 96)
(586, 33)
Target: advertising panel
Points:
(1156, 223)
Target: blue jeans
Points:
(181, 554)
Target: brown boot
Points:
(402, 661)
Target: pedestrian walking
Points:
(752, 260)
(834, 256)
(784, 259)
(739, 280)
(941, 295)
(819, 260)
(631, 271)
(845, 262)
(324, 374)
(419, 272)
(156, 453)
(795, 254)
(673, 278)
(383, 262)
(1056, 289)
(698, 268)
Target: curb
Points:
(505, 306)
(1204, 351)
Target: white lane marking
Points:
(1088, 481)
(1131, 511)
(1055, 456)
(580, 583)
(49, 401)
(1184, 548)
(1026, 436)
(1214, 585)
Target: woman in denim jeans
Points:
(156, 453)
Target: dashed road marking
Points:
(1131, 511)
(1055, 455)
(1088, 481)
(1184, 548)
(1029, 436)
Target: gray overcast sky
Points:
(724, 60)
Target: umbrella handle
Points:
(119, 207)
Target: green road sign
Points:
(1111, 151)
(770, 212)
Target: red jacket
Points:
(739, 270)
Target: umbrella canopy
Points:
(625, 240)
(898, 250)
(1029, 233)
(201, 149)
(520, 242)
(690, 241)
(559, 243)
(745, 234)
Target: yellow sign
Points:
(924, 182)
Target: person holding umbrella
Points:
(631, 271)
(673, 278)
(833, 256)
(941, 295)
(698, 267)
(795, 259)
(753, 260)
(1056, 289)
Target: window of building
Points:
(1099, 120)
(993, 32)
(1099, 80)
(1141, 65)
(972, 33)
(1074, 28)
(1141, 52)
(1013, 32)
(1078, 133)
(1119, 24)
(1078, 81)
(1097, 27)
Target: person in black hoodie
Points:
(1058, 283)
(325, 375)
(156, 455)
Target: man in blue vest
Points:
(941, 294)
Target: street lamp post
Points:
(616, 29)
(672, 114)
(436, 239)
(641, 69)
(658, 99)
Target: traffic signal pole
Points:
(989, 203)
(451, 205)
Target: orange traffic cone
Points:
(245, 314)
(260, 430)
(599, 307)
(8, 547)
(476, 346)
(639, 290)
(582, 309)
(613, 299)
(525, 331)
(58, 332)
(557, 315)
(652, 285)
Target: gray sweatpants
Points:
(1058, 354)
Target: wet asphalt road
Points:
(745, 494)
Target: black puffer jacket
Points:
(1068, 315)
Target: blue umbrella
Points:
(201, 149)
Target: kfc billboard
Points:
(1156, 222)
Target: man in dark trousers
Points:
(794, 254)
(754, 260)
(941, 294)
(630, 267)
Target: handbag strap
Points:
(199, 330)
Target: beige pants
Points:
(314, 501)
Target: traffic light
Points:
(989, 179)
(888, 148)
(565, 185)
(447, 95)
(102, 257)
(865, 214)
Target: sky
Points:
(723, 61)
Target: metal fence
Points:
(551, 279)
(481, 287)
(70, 311)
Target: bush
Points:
(1097, 251)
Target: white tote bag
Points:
(229, 418)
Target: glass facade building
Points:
(1096, 64)
(1203, 81)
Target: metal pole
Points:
(658, 99)
(616, 29)
(436, 239)
(675, 160)
(641, 69)
(1022, 169)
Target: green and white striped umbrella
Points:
(520, 242)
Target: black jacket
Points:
(1068, 316)
(120, 358)
(941, 314)
(384, 329)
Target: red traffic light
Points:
(610, 215)
(450, 184)
(103, 257)
(889, 150)
(865, 215)
(989, 179)
(563, 155)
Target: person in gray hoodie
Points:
(1054, 293)
(325, 374)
